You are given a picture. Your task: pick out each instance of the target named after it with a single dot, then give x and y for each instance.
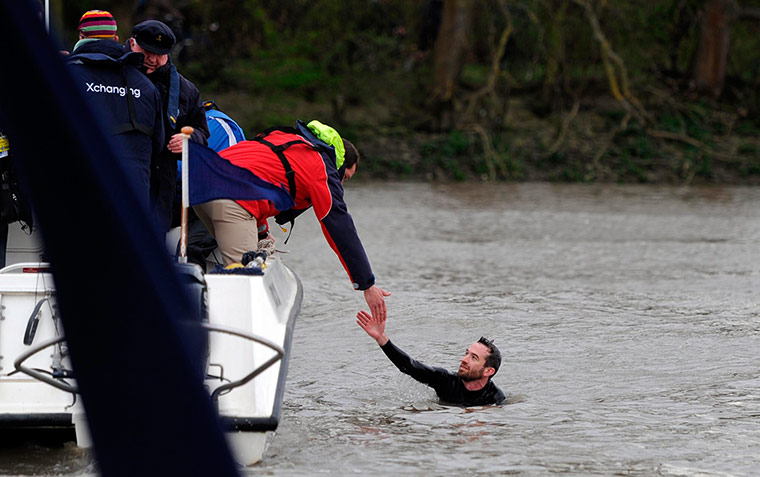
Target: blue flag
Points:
(213, 177)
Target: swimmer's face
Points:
(473, 364)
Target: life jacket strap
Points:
(133, 123)
(279, 150)
(172, 109)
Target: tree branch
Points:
(565, 126)
(491, 156)
(608, 141)
(677, 137)
(495, 62)
(618, 79)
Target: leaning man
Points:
(471, 385)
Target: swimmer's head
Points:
(480, 361)
(493, 359)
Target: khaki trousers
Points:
(233, 227)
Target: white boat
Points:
(250, 322)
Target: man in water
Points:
(470, 386)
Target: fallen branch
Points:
(677, 137)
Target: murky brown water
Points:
(629, 320)
(628, 317)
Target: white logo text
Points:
(120, 90)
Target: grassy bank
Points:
(590, 138)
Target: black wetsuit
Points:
(447, 385)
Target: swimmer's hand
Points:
(374, 327)
(375, 298)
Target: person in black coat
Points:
(471, 385)
(182, 107)
(127, 102)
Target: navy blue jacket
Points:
(190, 112)
(126, 100)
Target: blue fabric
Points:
(213, 177)
(172, 108)
(120, 299)
(219, 138)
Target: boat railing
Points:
(39, 375)
(279, 353)
(67, 387)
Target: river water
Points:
(628, 318)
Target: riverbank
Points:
(592, 139)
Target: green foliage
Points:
(748, 148)
(461, 155)
(746, 128)
(750, 168)
(279, 73)
(573, 171)
(642, 147)
(367, 67)
(475, 75)
(697, 164)
(448, 155)
(671, 123)
(635, 157)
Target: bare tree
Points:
(712, 52)
(449, 54)
(718, 19)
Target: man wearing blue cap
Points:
(182, 107)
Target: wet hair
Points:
(352, 154)
(493, 360)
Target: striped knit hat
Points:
(97, 24)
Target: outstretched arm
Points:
(373, 325)
(375, 328)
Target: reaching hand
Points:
(375, 298)
(374, 326)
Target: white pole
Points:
(186, 132)
(47, 15)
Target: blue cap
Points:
(154, 36)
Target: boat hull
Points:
(250, 324)
(266, 306)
